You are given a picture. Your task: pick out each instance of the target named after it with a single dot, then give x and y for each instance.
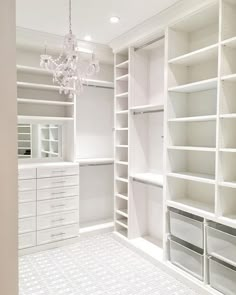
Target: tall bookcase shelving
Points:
(200, 146)
(121, 141)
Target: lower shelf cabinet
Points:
(222, 276)
(187, 257)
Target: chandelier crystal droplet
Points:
(69, 70)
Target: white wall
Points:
(8, 152)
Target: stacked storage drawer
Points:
(27, 207)
(48, 204)
(187, 242)
(221, 249)
(57, 203)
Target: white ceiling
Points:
(89, 16)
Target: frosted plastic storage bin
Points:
(221, 242)
(187, 227)
(222, 277)
(187, 257)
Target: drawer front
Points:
(187, 229)
(28, 173)
(27, 240)
(27, 196)
(55, 193)
(57, 234)
(58, 219)
(26, 185)
(221, 244)
(60, 205)
(187, 259)
(27, 210)
(222, 278)
(27, 225)
(56, 182)
(44, 172)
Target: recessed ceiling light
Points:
(87, 38)
(114, 19)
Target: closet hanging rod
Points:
(147, 182)
(97, 86)
(149, 43)
(147, 112)
(97, 164)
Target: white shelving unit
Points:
(121, 141)
(50, 141)
(200, 142)
(24, 141)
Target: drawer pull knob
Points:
(58, 206)
(58, 220)
(59, 171)
(57, 235)
(56, 182)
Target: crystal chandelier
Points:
(69, 70)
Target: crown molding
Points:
(35, 40)
(156, 25)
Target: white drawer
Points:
(26, 185)
(60, 205)
(55, 182)
(58, 219)
(27, 196)
(26, 173)
(55, 171)
(57, 234)
(55, 193)
(27, 225)
(27, 210)
(27, 240)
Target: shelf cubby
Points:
(227, 202)
(227, 98)
(148, 69)
(194, 33)
(184, 105)
(147, 219)
(191, 196)
(228, 19)
(196, 164)
(227, 133)
(227, 171)
(121, 171)
(121, 120)
(192, 134)
(228, 61)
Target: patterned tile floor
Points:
(98, 265)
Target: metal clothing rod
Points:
(147, 182)
(97, 164)
(149, 43)
(148, 112)
(103, 87)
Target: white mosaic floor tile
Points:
(97, 265)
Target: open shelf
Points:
(197, 32)
(228, 28)
(147, 108)
(123, 196)
(199, 177)
(94, 161)
(43, 119)
(195, 86)
(191, 196)
(123, 212)
(123, 78)
(228, 64)
(46, 102)
(122, 95)
(227, 134)
(123, 65)
(38, 86)
(149, 178)
(227, 201)
(192, 148)
(196, 57)
(192, 134)
(194, 119)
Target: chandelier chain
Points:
(70, 17)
